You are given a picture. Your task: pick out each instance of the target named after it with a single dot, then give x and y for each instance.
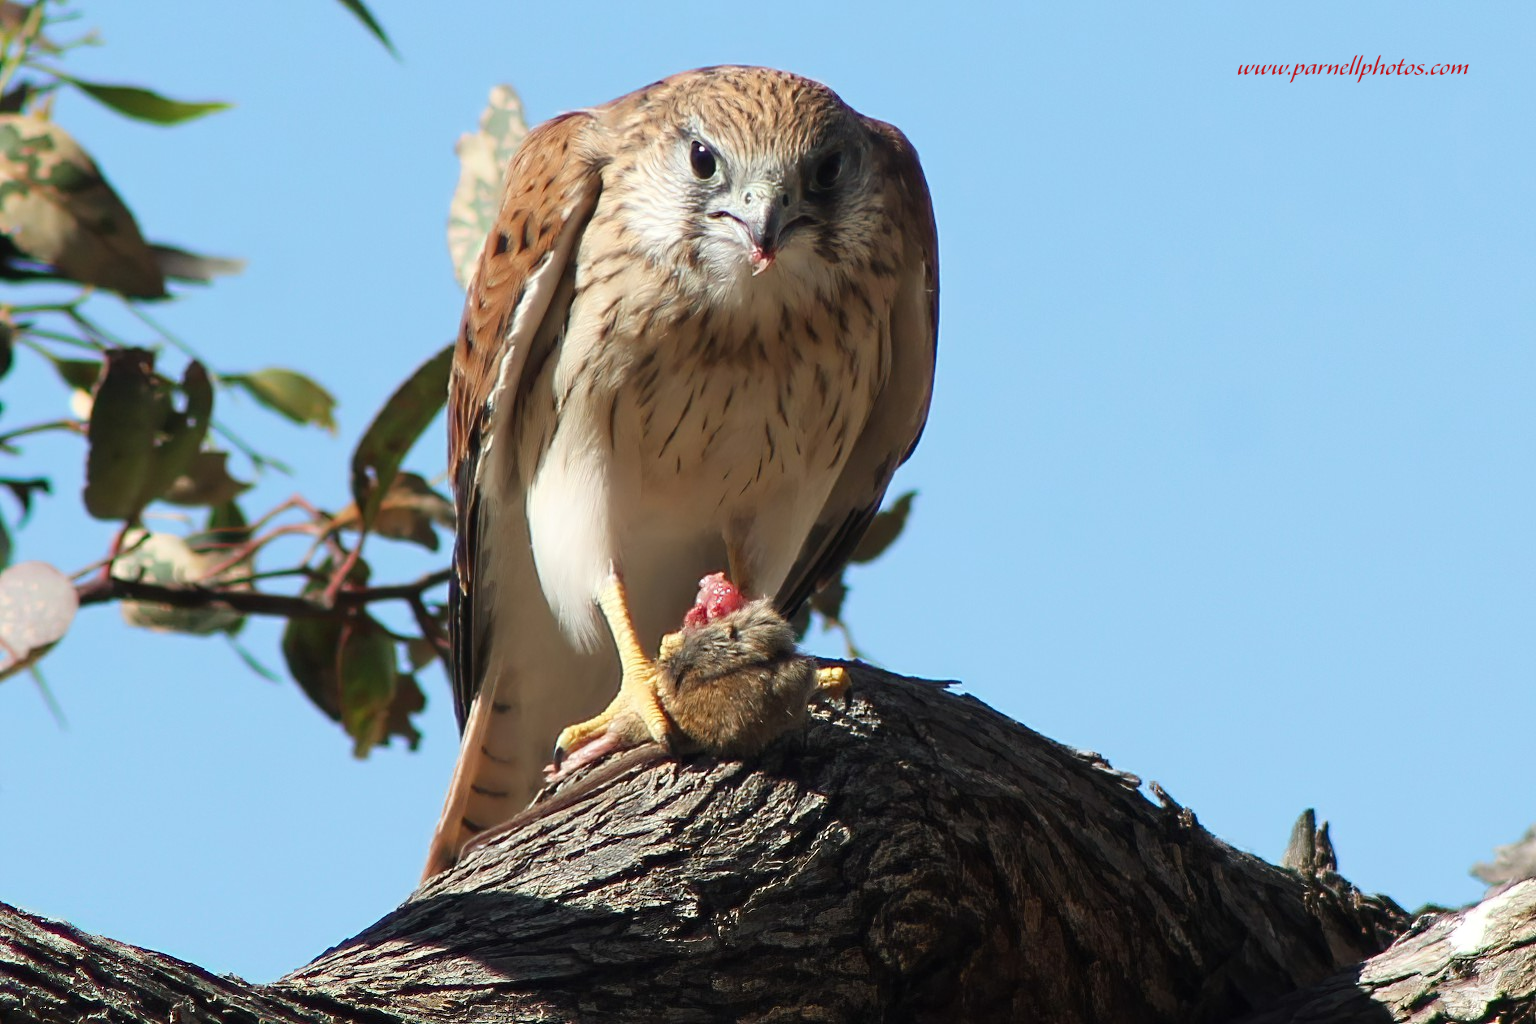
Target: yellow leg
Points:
(637, 685)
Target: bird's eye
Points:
(828, 171)
(703, 161)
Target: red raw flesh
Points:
(718, 597)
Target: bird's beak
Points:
(761, 210)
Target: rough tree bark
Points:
(912, 857)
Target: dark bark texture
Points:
(913, 856)
(1476, 965)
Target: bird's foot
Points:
(634, 716)
(593, 750)
(832, 682)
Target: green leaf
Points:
(80, 374)
(181, 435)
(883, 530)
(206, 482)
(408, 700)
(49, 699)
(384, 445)
(291, 394)
(14, 100)
(169, 560)
(183, 265)
(349, 670)
(410, 511)
(58, 210)
(139, 443)
(130, 405)
(7, 351)
(420, 652)
(23, 490)
(226, 529)
(828, 601)
(144, 104)
(309, 650)
(228, 522)
(252, 662)
(368, 675)
(372, 24)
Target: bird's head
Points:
(752, 178)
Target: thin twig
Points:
(75, 426)
(245, 552)
(432, 631)
(254, 602)
(339, 579)
(258, 460)
(159, 328)
(275, 574)
(26, 35)
(297, 501)
(106, 563)
(45, 307)
(62, 338)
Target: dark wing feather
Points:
(552, 186)
(467, 645)
(901, 408)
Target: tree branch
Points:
(911, 857)
(1475, 965)
(52, 973)
(254, 602)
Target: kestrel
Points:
(701, 335)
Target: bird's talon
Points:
(634, 716)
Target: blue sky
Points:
(1230, 474)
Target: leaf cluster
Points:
(151, 437)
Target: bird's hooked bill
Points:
(762, 214)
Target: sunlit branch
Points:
(255, 602)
